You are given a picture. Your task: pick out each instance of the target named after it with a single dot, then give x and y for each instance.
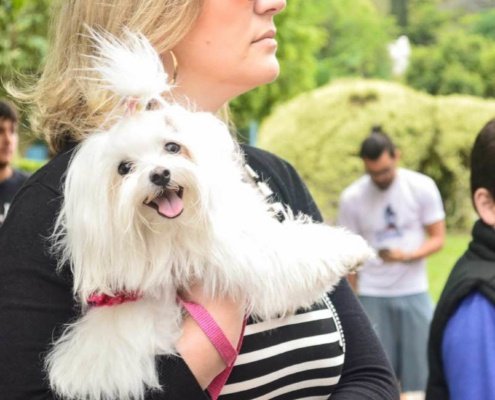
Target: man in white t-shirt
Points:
(400, 213)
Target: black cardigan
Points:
(35, 301)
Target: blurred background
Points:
(423, 69)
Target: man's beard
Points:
(4, 164)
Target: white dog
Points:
(156, 202)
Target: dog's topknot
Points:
(130, 67)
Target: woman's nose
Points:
(272, 7)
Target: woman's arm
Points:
(195, 348)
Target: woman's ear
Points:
(485, 205)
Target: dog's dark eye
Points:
(172, 147)
(124, 167)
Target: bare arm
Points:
(353, 280)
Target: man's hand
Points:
(434, 242)
(394, 255)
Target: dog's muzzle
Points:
(168, 203)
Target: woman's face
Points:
(230, 49)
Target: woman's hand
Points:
(195, 348)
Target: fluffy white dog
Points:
(156, 202)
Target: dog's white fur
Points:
(226, 238)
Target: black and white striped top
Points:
(297, 357)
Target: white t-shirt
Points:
(392, 219)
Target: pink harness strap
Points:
(219, 340)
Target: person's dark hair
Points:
(8, 112)
(376, 143)
(483, 160)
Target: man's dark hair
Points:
(8, 112)
(375, 144)
(483, 160)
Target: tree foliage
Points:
(358, 39)
(484, 24)
(426, 20)
(453, 52)
(23, 36)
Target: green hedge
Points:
(320, 132)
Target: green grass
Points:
(440, 264)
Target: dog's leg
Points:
(286, 266)
(110, 352)
(299, 262)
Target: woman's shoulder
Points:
(264, 161)
(283, 180)
(35, 205)
(52, 173)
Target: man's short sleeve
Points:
(430, 200)
(347, 216)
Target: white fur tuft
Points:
(130, 67)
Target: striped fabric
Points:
(297, 357)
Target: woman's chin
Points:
(266, 72)
(273, 73)
(257, 74)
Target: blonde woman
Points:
(214, 50)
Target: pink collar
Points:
(101, 299)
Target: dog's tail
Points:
(129, 66)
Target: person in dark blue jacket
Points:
(462, 344)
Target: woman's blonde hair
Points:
(67, 105)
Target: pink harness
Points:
(207, 324)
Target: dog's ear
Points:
(85, 219)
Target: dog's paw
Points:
(350, 250)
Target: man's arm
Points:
(433, 243)
(353, 280)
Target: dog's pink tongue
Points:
(170, 205)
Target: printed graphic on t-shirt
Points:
(391, 229)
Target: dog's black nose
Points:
(160, 177)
